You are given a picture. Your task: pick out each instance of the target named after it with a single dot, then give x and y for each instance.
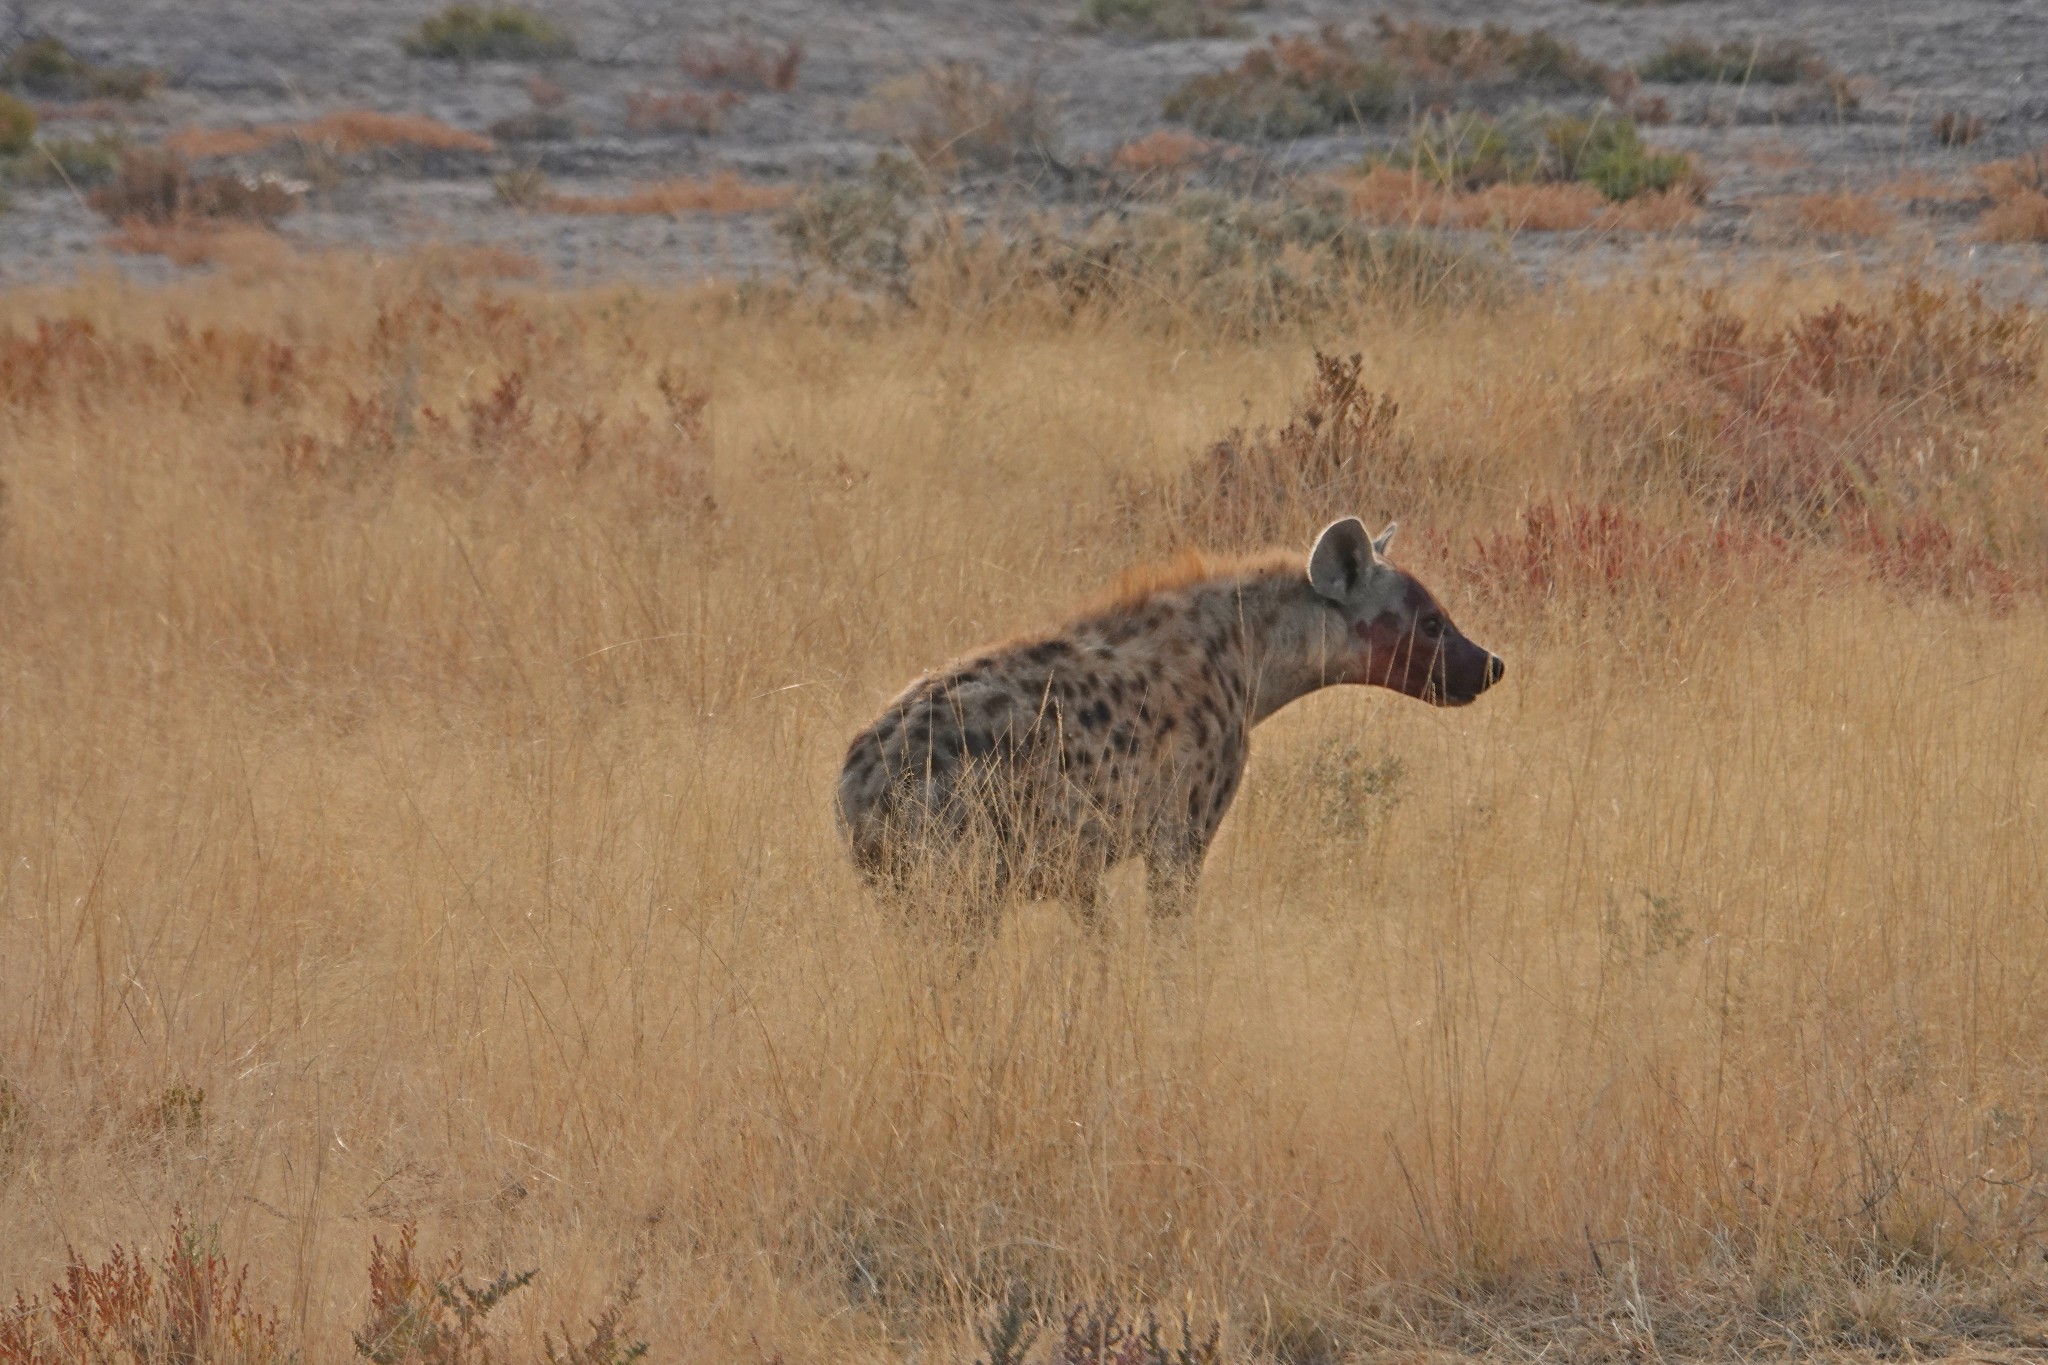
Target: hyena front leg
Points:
(1173, 868)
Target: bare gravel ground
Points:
(233, 63)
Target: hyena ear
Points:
(1342, 558)
(1386, 538)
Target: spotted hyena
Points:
(1125, 732)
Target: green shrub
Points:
(1165, 19)
(17, 125)
(506, 33)
(1692, 60)
(1471, 151)
(44, 66)
(1465, 151)
(1608, 154)
(79, 162)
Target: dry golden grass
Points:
(345, 132)
(1844, 213)
(420, 711)
(1392, 197)
(725, 192)
(2018, 217)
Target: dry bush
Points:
(1844, 213)
(1166, 151)
(2019, 193)
(390, 757)
(650, 111)
(1442, 61)
(953, 115)
(1393, 197)
(161, 188)
(1340, 449)
(1912, 187)
(725, 192)
(344, 132)
(2019, 217)
(1784, 62)
(1659, 211)
(743, 63)
(1165, 19)
(1291, 87)
(1300, 85)
(505, 33)
(195, 242)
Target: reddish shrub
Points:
(1922, 555)
(1567, 547)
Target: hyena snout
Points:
(1464, 670)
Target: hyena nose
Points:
(1496, 667)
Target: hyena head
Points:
(1396, 633)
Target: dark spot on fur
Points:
(1124, 737)
(978, 744)
(1096, 716)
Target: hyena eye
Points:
(1433, 627)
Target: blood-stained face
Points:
(1400, 637)
(1414, 649)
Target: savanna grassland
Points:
(420, 696)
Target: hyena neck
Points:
(1290, 642)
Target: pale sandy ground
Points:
(237, 62)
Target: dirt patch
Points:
(773, 93)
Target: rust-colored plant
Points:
(191, 1308)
